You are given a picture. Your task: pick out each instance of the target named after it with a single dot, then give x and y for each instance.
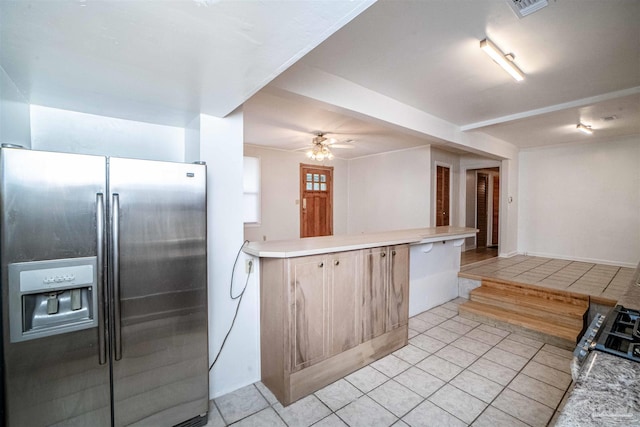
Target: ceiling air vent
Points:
(523, 8)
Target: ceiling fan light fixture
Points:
(320, 151)
(505, 61)
(584, 129)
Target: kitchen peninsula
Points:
(331, 305)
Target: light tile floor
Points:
(598, 280)
(454, 372)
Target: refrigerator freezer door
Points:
(48, 209)
(160, 357)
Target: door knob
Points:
(383, 254)
(321, 265)
(336, 262)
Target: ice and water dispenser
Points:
(52, 297)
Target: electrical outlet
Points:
(248, 265)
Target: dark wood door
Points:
(316, 200)
(442, 196)
(495, 223)
(482, 188)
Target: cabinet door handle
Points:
(321, 265)
(336, 262)
(393, 253)
(383, 254)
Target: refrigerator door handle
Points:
(115, 266)
(100, 276)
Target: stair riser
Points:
(568, 336)
(581, 301)
(515, 307)
(535, 335)
(535, 302)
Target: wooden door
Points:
(345, 278)
(316, 200)
(398, 287)
(482, 209)
(495, 214)
(309, 298)
(442, 195)
(374, 293)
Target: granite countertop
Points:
(328, 244)
(607, 393)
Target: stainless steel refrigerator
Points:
(104, 298)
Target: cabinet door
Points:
(374, 293)
(398, 289)
(308, 300)
(345, 283)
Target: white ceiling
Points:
(581, 60)
(164, 62)
(158, 61)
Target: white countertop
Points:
(349, 242)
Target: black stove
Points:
(620, 335)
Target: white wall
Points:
(509, 206)
(582, 202)
(53, 129)
(221, 147)
(390, 191)
(280, 194)
(14, 113)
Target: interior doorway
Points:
(483, 207)
(316, 200)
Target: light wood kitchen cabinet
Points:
(398, 287)
(385, 294)
(324, 316)
(374, 292)
(345, 278)
(309, 297)
(324, 292)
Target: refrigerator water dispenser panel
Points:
(52, 297)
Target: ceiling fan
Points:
(321, 148)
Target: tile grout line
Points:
(546, 262)
(514, 391)
(465, 369)
(445, 344)
(446, 382)
(611, 280)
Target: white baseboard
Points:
(580, 259)
(508, 254)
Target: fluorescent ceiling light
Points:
(584, 128)
(501, 59)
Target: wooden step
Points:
(572, 298)
(560, 312)
(534, 323)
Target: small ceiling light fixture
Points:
(584, 128)
(320, 150)
(505, 61)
